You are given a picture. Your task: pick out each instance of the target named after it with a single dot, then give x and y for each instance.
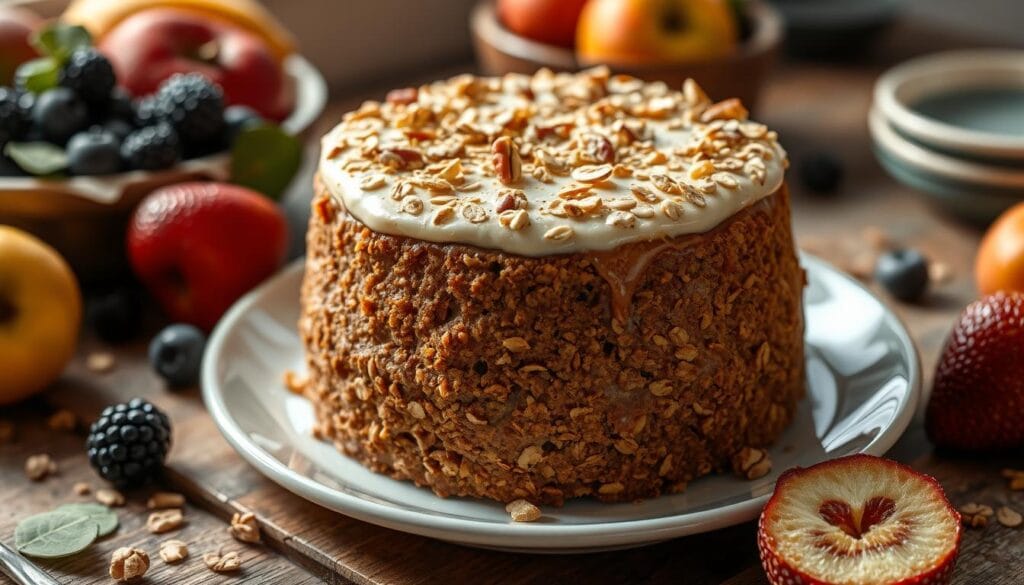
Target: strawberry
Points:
(199, 246)
(977, 401)
(858, 520)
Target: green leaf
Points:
(60, 40)
(37, 158)
(38, 75)
(105, 518)
(55, 534)
(265, 158)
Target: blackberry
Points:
(89, 74)
(127, 445)
(144, 112)
(151, 148)
(193, 105)
(15, 115)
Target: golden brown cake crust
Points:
(480, 373)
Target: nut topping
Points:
(507, 164)
(128, 563)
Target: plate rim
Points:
(516, 535)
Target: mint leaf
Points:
(38, 75)
(55, 534)
(265, 158)
(105, 518)
(60, 40)
(37, 158)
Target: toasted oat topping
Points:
(549, 163)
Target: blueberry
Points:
(59, 114)
(904, 273)
(820, 172)
(176, 353)
(116, 316)
(94, 152)
(239, 118)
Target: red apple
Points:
(547, 21)
(16, 26)
(198, 247)
(150, 46)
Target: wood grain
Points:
(814, 108)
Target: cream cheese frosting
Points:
(549, 163)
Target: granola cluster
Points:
(563, 152)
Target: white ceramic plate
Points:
(863, 384)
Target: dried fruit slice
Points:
(858, 520)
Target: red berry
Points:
(977, 402)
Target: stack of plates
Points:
(951, 125)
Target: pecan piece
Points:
(507, 163)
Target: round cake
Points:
(552, 286)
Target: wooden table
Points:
(814, 107)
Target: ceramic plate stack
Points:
(951, 125)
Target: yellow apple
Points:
(637, 32)
(40, 314)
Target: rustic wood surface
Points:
(814, 107)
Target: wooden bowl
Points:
(739, 74)
(85, 217)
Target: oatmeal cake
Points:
(551, 286)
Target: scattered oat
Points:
(244, 527)
(62, 421)
(522, 511)
(661, 387)
(940, 272)
(110, 498)
(1009, 517)
(222, 562)
(82, 489)
(165, 521)
(128, 563)
(164, 500)
(752, 463)
(516, 344)
(592, 173)
(559, 233)
(373, 182)
(975, 515)
(1015, 478)
(38, 467)
(173, 551)
(100, 362)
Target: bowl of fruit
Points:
(118, 98)
(728, 46)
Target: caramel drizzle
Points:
(624, 268)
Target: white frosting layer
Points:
(628, 208)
